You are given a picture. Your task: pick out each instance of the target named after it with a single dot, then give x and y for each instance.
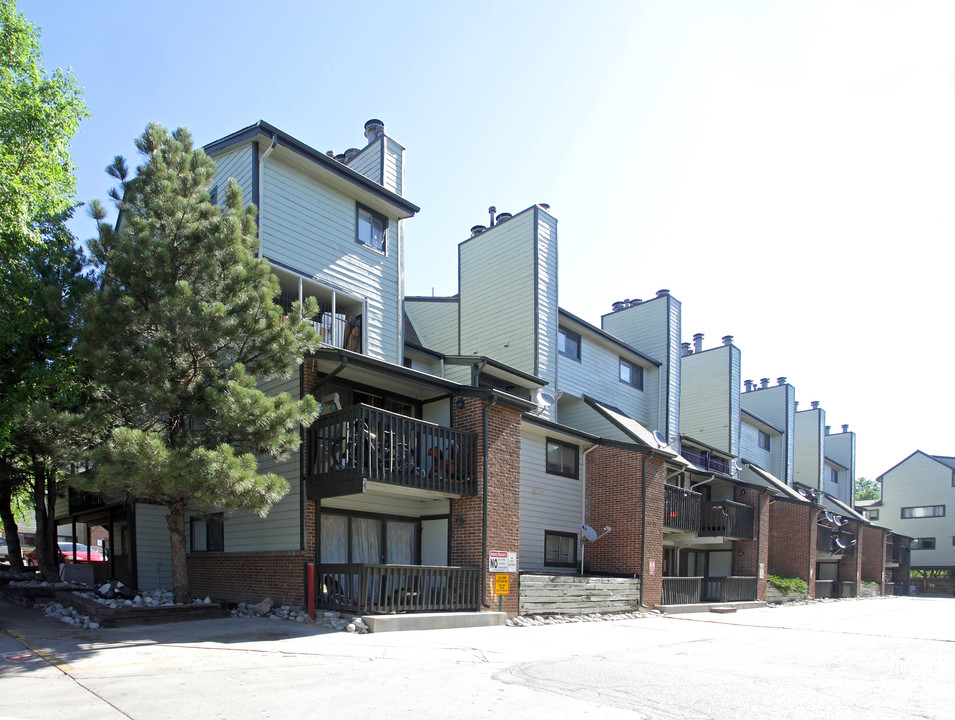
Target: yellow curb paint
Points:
(63, 667)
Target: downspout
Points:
(583, 502)
(332, 374)
(643, 532)
(484, 500)
(268, 151)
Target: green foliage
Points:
(39, 114)
(176, 338)
(868, 489)
(869, 581)
(787, 585)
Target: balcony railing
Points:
(729, 589)
(706, 461)
(826, 541)
(846, 589)
(382, 589)
(345, 449)
(824, 588)
(681, 508)
(726, 518)
(681, 590)
(898, 554)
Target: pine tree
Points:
(182, 327)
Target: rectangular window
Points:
(872, 514)
(833, 475)
(631, 374)
(561, 458)
(568, 343)
(762, 440)
(560, 549)
(923, 544)
(925, 511)
(214, 195)
(207, 533)
(372, 229)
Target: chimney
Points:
(781, 381)
(845, 428)
(477, 230)
(503, 216)
(350, 153)
(815, 404)
(492, 211)
(374, 129)
(749, 385)
(544, 205)
(828, 428)
(763, 383)
(618, 306)
(685, 349)
(698, 342)
(727, 339)
(663, 293)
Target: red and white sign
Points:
(18, 655)
(501, 561)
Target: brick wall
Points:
(249, 577)
(615, 498)
(872, 548)
(751, 557)
(850, 566)
(503, 497)
(792, 541)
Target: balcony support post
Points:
(643, 530)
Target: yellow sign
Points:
(502, 584)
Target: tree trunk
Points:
(176, 522)
(10, 530)
(47, 551)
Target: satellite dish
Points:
(588, 532)
(830, 518)
(545, 399)
(737, 465)
(660, 438)
(839, 543)
(839, 520)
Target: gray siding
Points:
(709, 398)
(916, 482)
(235, 163)
(498, 294)
(312, 228)
(776, 405)
(394, 167)
(841, 447)
(809, 459)
(653, 327)
(153, 548)
(368, 161)
(436, 323)
(749, 448)
(546, 365)
(548, 502)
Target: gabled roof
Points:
(327, 163)
(840, 508)
(950, 461)
(775, 484)
(635, 430)
(945, 460)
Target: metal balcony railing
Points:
(681, 508)
(345, 449)
(726, 518)
(729, 589)
(824, 588)
(706, 461)
(382, 589)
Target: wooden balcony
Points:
(705, 461)
(728, 519)
(681, 590)
(381, 589)
(345, 450)
(681, 508)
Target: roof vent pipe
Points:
(727, 339)
(663, 293)
(618, 306)
(815, 404)
(685, 349)
(374, 129)
(748, 384)
(350, 153)
(845, 428)
(828, 428)
(544, 205)
(698, 342)
(503, 216)
(764, 383)
(781, 381)
(477, 230)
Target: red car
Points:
(83, 554)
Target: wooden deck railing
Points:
(382, 589)
(361, 443)
(729, 589)
(681, 508)
(824, 588)
(726, 518)
(681, 590)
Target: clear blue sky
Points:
(786, 169)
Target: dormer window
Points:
(372, 229)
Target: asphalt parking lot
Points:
(874, 658)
